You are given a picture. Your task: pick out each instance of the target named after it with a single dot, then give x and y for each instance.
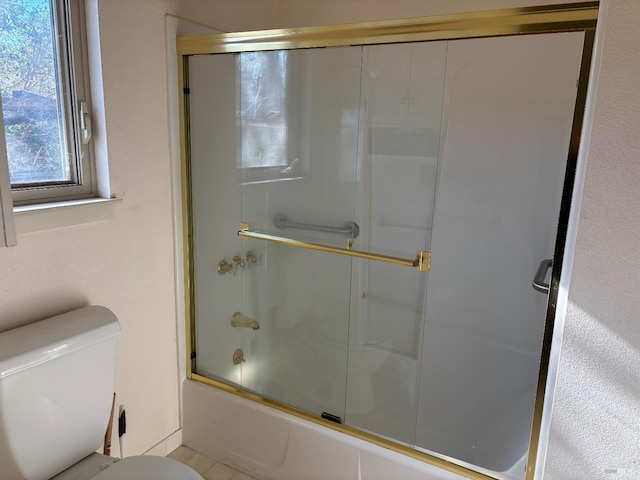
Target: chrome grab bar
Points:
(422, 262)
(350, 229)
(538, 280)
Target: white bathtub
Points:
(270, 444)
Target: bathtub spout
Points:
(239, 320)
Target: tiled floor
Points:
(206, 467)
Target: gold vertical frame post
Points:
(505, 22)
(187, 210)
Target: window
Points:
(267, 147)
(263, 110)
(44, 91)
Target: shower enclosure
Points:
(372, 226)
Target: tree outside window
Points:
(32, 99)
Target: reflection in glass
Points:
(262, 86)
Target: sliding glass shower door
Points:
(372, 228)
(299, 123)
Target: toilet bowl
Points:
(56, 389)
(146, 468)
(101, 467)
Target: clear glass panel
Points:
(215, 190)
(32, 98)
(298, 116)
(403, 85)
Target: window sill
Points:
(45, 216)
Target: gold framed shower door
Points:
(491, 23)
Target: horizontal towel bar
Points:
(350, 229)
(422, 262)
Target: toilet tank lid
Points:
(42, 341)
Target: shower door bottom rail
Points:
(422, 261)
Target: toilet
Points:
(56, 389)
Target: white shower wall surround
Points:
(457, 148)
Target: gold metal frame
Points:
(488, 23)
(514, 21)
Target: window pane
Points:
(263, 114)
(31, 94)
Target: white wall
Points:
(124, 262)
(296, 13)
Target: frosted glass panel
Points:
(299, 124)
(214, 183)
(509, 108)
(403, 85)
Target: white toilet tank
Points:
(56, 388)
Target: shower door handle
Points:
(538, 280)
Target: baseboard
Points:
(166, 446)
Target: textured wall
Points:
(595, 430)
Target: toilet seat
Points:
(148, 467)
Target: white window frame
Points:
(71, 52)
(7, 225)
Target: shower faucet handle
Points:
(224, 267)
(237, 263)
(250, 258)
